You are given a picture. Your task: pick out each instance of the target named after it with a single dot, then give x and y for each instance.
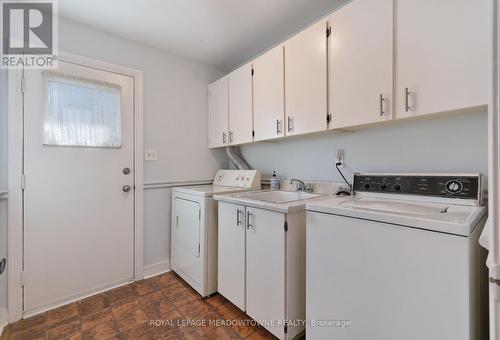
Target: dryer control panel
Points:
(467, 186)
(248, 179)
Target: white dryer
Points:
(398, 260)
(193, 241)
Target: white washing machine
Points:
(193, 238)
(398, 260)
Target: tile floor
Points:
(127, 313)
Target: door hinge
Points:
(199, 215)
(23, 84)
(23, 182)
(22, 278)
(286, 226)
(199, 248)
(253, 133)
(328, 118)
(328, 31)
(253, 72)
(286, 329)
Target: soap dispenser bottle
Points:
(275, 182)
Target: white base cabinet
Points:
(262, 265)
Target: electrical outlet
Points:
(339, 157)
(151, 155)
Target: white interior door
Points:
(79, 197)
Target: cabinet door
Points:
(266, 267)
(240, 105)
(218, 111)
(361, 63)
(231, 257)
(306, 80)
(269, 95)
(442, 50)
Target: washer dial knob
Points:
(454, 186)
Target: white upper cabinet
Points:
(361, 63)
(306, 81)
(269, 95)
(240, 105)
(442, 55)
(218, 108)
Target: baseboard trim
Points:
(156, 269)
(4, 319)
(75, 297)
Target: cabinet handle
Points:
(407, 100)
(382, 112)
(289, 121)
(230, 136)
(278, 126)
(238, 221)
(223, 138)
(248, 220)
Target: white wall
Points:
(3, 183)
(175, 120)
(447, 144)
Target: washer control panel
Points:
(449, 185)
(248, 179)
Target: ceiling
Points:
(221, 33)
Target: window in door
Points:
(80, 112)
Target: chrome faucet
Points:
(301, 186)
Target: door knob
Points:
(126, 188)
(126, 171)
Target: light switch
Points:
(151, 155)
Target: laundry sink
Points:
(279, 196)
(394, 206)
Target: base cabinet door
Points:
(266, 268)
(442, 50)
(231, 257)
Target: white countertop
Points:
(287, 208)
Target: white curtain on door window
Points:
(81, 112)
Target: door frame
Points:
(15, 170)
